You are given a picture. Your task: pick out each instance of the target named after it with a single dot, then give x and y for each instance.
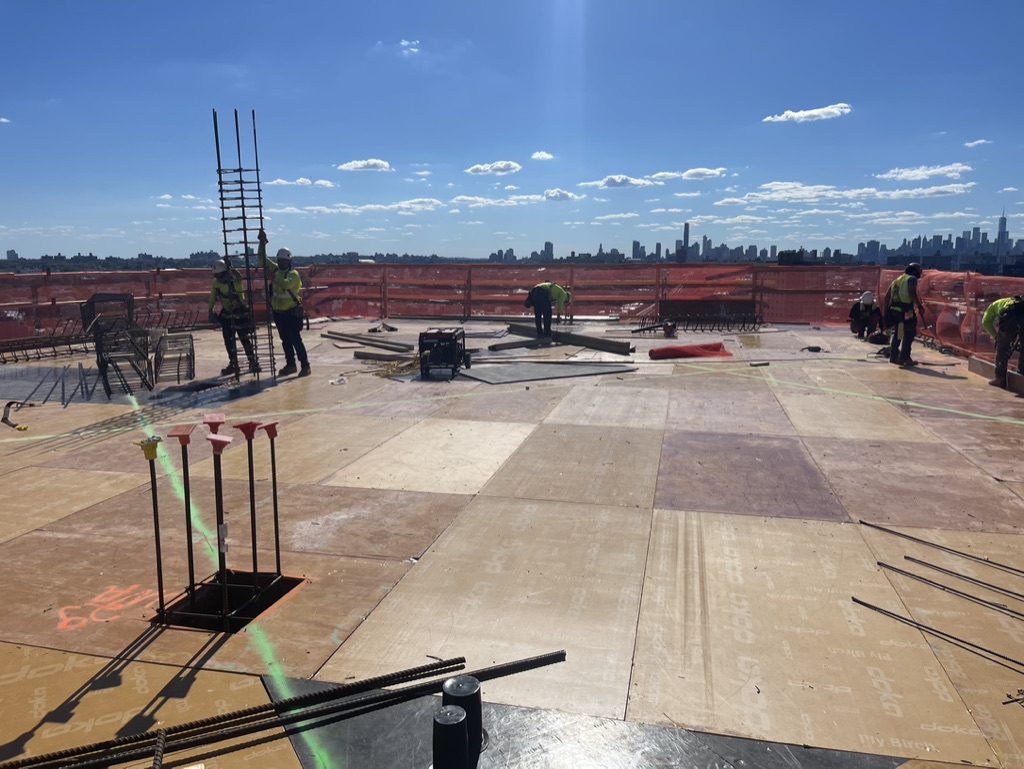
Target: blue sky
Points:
(508, 124)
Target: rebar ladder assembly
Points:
(241, 214)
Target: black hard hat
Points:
(914, 269)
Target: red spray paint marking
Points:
(108, 606)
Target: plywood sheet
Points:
(995, 447)
(514, 578)
(747, 628)
(733, 410)
(981, 684)
(54, 700)
(612, 407)
(510, 403)
(752, 475)
(411, 398)
(915, 484)
(843, 416)
(444, 455)
(309, 449)
(36, 496)
(505, 373)
(576, 463)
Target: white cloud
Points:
(470, 221)
(406, 207)
(560, 194)
(668, 210)
(687, 194)
(4, 120)
(455, 211)
(651, 200)
(606, 217)
(526, 198)
(323, 183)
(478, 201)
(165, 196)
(730, 202)
(1009, 189)
(302, 181)
(976, 143)
(951, 171)
(805, 115)
(797, 192)
(690, 174)
(422, 173)
(600, 200)
(510, 188)
(163, 205)
(618, 180)
(542, 155)
(498, 168)
(370, 164)
(409, 47)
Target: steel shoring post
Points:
(149, 449)
(271, 429)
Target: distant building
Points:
(12, 255)
(549, 251)
(636, 250)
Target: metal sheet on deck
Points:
(514, 578)
(448, 456)
(752, 475)
(505, 373)
(747, 628)
(577, 463)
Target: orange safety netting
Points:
(710, 350)
(31, 304)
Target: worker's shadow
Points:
(921, 370)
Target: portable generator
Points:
(443, 348)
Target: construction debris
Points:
(369, 341)
(581, 340)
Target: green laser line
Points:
(254, 632)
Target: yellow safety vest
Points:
(899, 290)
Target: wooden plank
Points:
(582, 340)
(386, 356)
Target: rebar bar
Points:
(965, 578)
(953, 591)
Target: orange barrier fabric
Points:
(709, 350)
(31, 304)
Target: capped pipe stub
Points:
(271, 429)
(183, 433)
(219, 443)
(248, 429)
(451, 750)
(149, 446)
(464, 692)
(214, 421)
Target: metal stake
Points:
(271, 430)
(219, 443)
(149, 449)
(183, 433)
(249, 431)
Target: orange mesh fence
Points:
(954, 302)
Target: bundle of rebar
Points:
(312, 710)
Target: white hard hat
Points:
(219, 267)
(867, 298)
(284, 253)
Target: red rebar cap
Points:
(214, 421)
(271, 428)
(248, 429)
(182, 433)
(219, 442)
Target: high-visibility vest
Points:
(899, 290)
(231, 294)
(285, 288)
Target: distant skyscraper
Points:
(976, 236)
(12, 255)
(1002, 240)
(686, 235)
(773, 252)
(657, 251)
(636, 249)
(549, 251)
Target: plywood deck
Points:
(687, 532)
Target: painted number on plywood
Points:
(108, 606)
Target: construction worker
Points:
(286, 305)
(865, 316)
(898, 306)
(234, 317)
(542, 298)
(1004, 322)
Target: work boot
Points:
(288, 369)
(230, 370)
(908, 362)
(304, 371)
(998, 382)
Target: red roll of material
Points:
(710, 350)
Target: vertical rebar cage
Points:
(241, 214)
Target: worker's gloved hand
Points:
(262, 237)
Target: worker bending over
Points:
(234, 317)
(542, 298)
(1004, 322)
(899, 304)
(286, 305)
(865, 316)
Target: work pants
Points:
(1008, 338)
(540, 300)
(864, 327)
(289, 331)
(240, 326)
(904, 331)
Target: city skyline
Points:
(460, 129)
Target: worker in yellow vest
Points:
(286, 306)
(543, 298)
(898, 306)
(234, 317)
(1004, 322)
